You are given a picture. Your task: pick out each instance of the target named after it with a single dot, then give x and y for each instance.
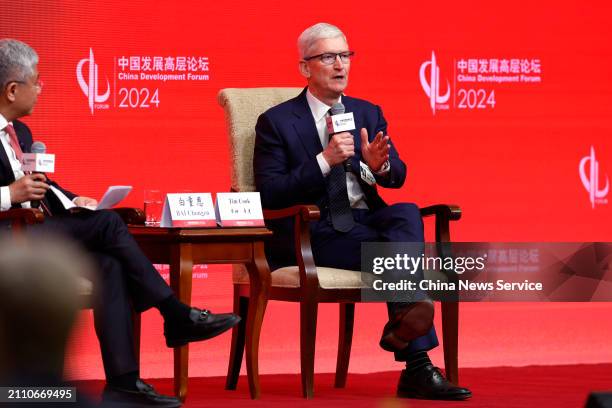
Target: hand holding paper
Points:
(113, 196)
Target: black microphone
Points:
(339, 121)
(37, 148)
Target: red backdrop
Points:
(509, 153)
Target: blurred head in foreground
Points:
(40, 284)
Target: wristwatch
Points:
(383, 169)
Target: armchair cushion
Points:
(289, 277)
(329, 278)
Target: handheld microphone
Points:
(339, 121)
(38, 161)
(38, 147)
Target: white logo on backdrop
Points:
(137, 79)
(432, 88)
(90, 86)
(475, 79)
(590, 179)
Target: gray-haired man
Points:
(126, 277)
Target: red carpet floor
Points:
(535, 386)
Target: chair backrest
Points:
(242, 108)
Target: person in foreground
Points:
(297, 162)
(125, 278)
(40, 274)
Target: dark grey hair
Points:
(17, 60)
(316, 32)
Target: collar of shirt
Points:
(317, 108)
(5, 136)
(3, 123)
(15, 164)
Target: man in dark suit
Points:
(296, 162)
(126, 277)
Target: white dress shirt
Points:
(319, 111)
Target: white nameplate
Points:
(39, 162)
(188, 210)
(239, 210)
(344, 122)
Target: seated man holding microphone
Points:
(126, 278)
(296, 161)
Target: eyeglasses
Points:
(328, 58)
(38, 84)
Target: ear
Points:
(304, 69)
(10, 91)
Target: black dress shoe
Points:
(202, 325)
(143, 396)
(429, 383)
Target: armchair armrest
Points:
(302, 214)
(20, 217)
(443, 213)
(450, 211)
(133, 216)
(307, 212)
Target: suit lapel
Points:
(7, 172)
(305, 127)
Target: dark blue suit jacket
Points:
(286, 169)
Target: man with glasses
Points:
(126, 278)
(296, 162)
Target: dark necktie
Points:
(339, 205)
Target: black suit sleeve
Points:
(397, 173)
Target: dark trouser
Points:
(396, 223)
(126, 279)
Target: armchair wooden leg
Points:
(256, 310)
(450, 333)
(181, 269)
(308, 335)
(241, 307)
(259, 291)
(345, 340)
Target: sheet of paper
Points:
(113, 196)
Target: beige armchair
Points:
(304, 283)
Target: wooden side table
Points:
(181, 248)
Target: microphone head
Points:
(38, 147)
(337, 109)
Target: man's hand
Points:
(85, 202)
(340, 147)
(29, 187)
(376, 153)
